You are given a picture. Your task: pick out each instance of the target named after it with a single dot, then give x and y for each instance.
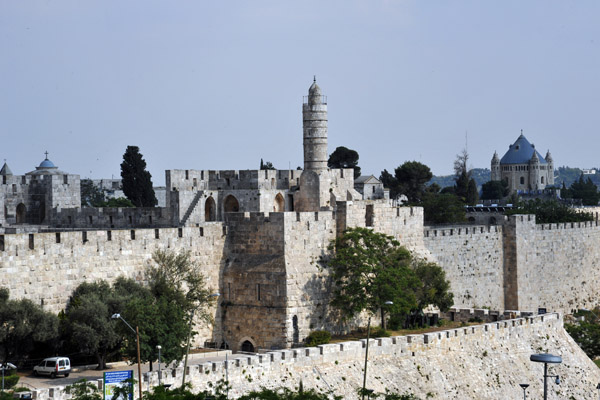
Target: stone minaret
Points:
(314, 123)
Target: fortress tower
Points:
(314, 123)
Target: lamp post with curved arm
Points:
(364, 388)
(137, 338)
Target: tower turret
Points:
(314, 123)
(550, 168)
(496, 167)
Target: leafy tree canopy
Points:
(91, 195)
(137, 182)
(585, 190)
(550, 211)
(412, 177)
(266, 165)
(494, 190)
(22, 326)
(587, 332)
(87, 322)
(344, 157)
(371, 268)
(443, 208)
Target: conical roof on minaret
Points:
(314, 88)
(520, 152)
(548, 157)
(5, 170)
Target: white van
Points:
(53, 366)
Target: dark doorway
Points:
(248, 347)
(210, 210)
(21, 211)
(231, 204)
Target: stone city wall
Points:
(472, 257)
(46, 267)
(111, 218)
(480, 362)
(558, 264)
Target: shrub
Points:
(10, 378)
(318, 337)
(379, 332)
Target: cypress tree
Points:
(137, 182)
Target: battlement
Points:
(18, 244)
(193, 180)
(275, 367)
(472, 230)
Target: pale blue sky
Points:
(219, 85)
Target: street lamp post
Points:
(364, 388)
(137, 338)
(187, 352)
(159, 347)
(547, 359)
(4, 367)
(524, 386)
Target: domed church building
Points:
(523, 167)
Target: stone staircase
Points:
(190, 209)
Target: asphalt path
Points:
(28, 380)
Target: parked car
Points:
(53, 366)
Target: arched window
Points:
(542, 179)
(21, 211)
(279, 205)
(231, 204)
(210, 210)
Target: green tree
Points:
(586, 333)
(91, 195)
(586, 191)
(389, 181)
(87, 320)
(83, 390)
(472, 193)
(137, 182)
(434, 289)
(412, 177)
(177, 290)
(494, 190)
(266, 165)
(23, 325)
(443, 208)
(550, 211)
(344, 157)
(369, 269)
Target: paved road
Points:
(32, 382)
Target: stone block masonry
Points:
(46, 267)
(473, 362)
(473, 258)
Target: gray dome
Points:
(521, 152)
